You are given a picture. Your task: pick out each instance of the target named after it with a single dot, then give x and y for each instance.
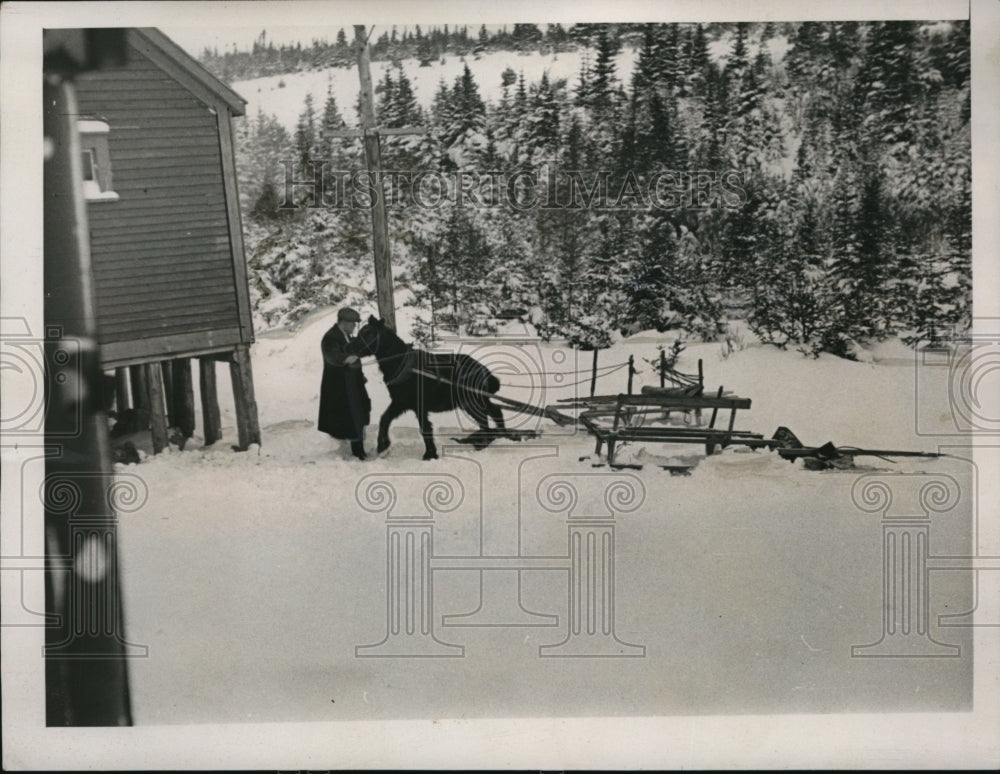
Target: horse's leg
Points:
(497, 414)
(480, 410)
(394, 410)
(427, 431)
(475, 407)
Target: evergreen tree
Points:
(603, 81)
(557, 36)
(711, 145)
(526, 37)
(405, 109)
(647, 74)
(305, 133)
(801, 59)
(700, 68)
(955, 68)
(738, 63)
(866, 275)
(262, 146)
(542, 135)
(515, 276)
(649, 285)
(332, 121)
(385, 95)
(887, 83)
(308, 151)
(668, 55)
(442, 108)
(654, 140)
(462, 121)
(561, 237)
(454, 269)
(582, 93)
(520, 96)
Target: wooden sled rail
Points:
(627, 407)
(665, 403)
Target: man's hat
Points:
(348, 314)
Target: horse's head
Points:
(369, 338)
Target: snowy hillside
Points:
(283, 95)
(813, 181)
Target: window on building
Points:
(96, 161)
(88, 165)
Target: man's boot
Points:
(358, 449)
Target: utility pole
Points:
(373, 157)
(372, 134)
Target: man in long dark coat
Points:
(344, 405)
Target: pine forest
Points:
(812, 180)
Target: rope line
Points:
(578, 382)
(605, 369)
(602, 370)
(610, 370)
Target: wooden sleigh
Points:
(614, 420)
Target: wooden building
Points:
(166, 236)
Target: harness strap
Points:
(550, 412)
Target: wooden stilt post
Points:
(140, 392)
(122, 403)
(247, 424)
(168, 392)
(593, 375)
(183, 385)
(140, 396)
(157, 414)
(211, 417)
(663, 369)
(631, 371)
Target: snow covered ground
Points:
(253, 576)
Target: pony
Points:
(424, 383)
